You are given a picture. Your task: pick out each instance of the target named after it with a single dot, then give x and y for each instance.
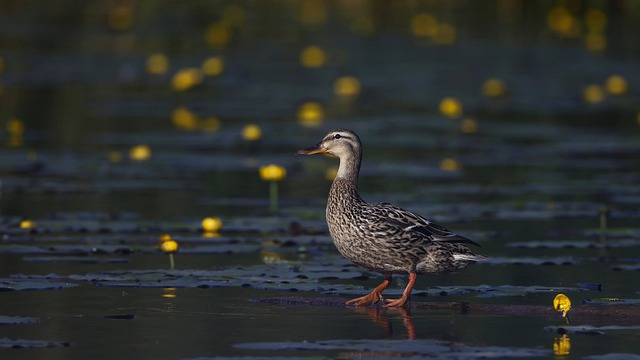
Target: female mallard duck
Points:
(382, 237)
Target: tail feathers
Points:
(469, 257)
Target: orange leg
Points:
(373, 297)
(405, 294)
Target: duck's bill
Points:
(316, 149)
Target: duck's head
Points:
(342, 143)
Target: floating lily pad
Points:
(589, 329)
(611, 301)
(399, 348)
(17, 320)
(15, 284)
(7, 343)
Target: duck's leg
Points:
(405, 294)
(374, 296)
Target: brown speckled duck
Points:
(382, 237)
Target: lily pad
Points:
(7, 343)
(399, 348)
(530, 261)
(14, 284)
(17, 320)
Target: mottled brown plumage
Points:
(380, 236)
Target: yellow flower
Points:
(272, 172)
(165, 237)
(169, 247)
(211, 224)
(562, 304)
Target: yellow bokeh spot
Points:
(251, 132)
(562, 345)
(346, 86)
(213, 66)
(595, 42)
(446, 34)
(469, 126)
(562, 22)
(331, 173)
(313, 12)
(562, 304)
(424, 25)
(27, 224)
(616, 85)
(593, 94)
(450, 107)
(272, 172)
(450, 164)
(184, 119)
(157, 64)
(596, 20)
(115, 157)
(169, 246)
(186, 79)
(210, 124)
(165, 237)
(310, 114)
(313, 57)
(494, 87)
(120, 18)
(217, 35)
(211, 224)
(140, 153)
(15, 127)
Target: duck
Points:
(381, 237)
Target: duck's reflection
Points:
(380, 316)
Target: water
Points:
(529, 173)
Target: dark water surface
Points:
(538, 162)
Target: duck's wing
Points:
(401, 221)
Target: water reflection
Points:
(380, 316)
(561, 346)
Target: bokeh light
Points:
(140, 153)
(424, 25)
(563, 22)
(157, 64)
(218, 35)
(313, 57)
(272, 172)
(593, 94)
(494, 87)
(120, 18)
(469, 126)
(213, 66)
(446, 34)
(27, 224)
(346, 86)
(251, 132)
(210, 124)
(616, 85)
(187, 78)
(310, 114)
(184, 119)
(313, 12)
(450, 107)
(115, 157)
(211, 224)
(450, 164)
(331, 173)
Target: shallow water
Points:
(531, 178)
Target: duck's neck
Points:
(349, 168)
(345, 185)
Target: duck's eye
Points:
(337, 136)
